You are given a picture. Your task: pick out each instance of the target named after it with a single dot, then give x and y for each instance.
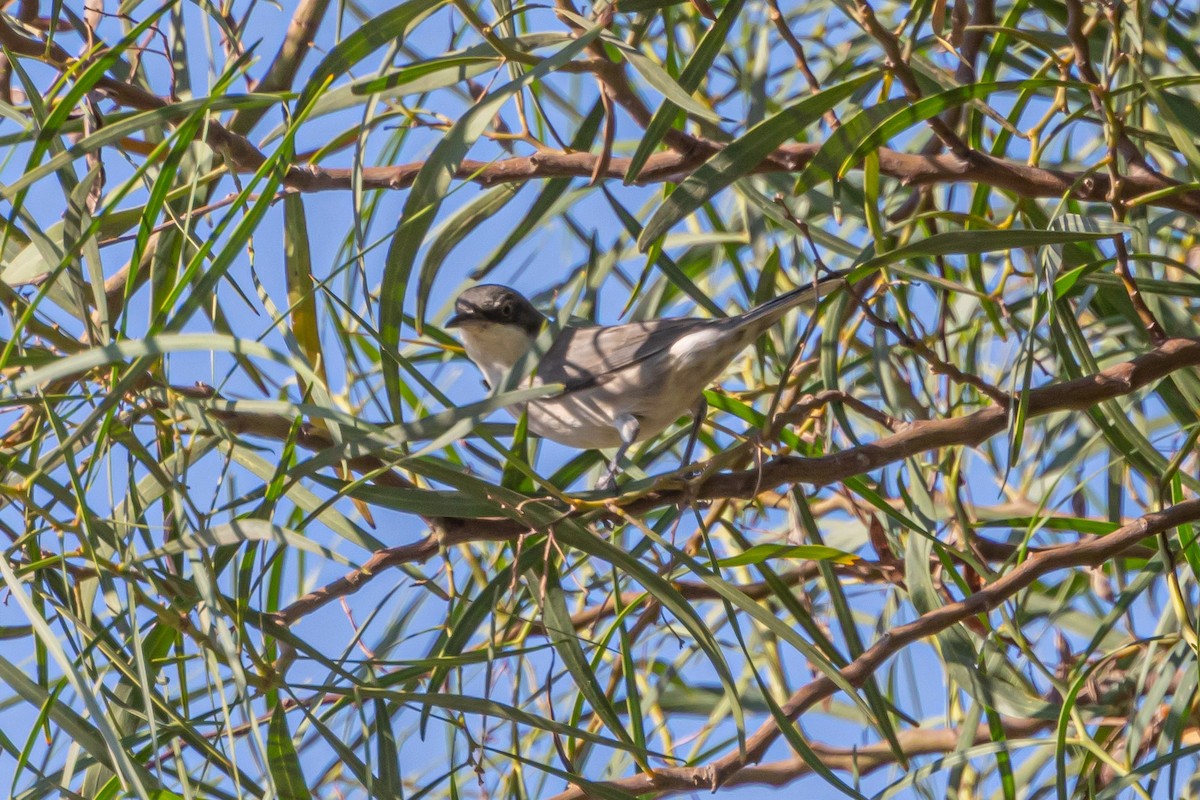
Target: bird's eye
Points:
(507, 308)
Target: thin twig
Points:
(785, 31)
(1153, 328)
(807, 404)
(936, 362)
(899, 67)
(1076, 34)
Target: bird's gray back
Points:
(584, 356)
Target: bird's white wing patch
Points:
(701, 348)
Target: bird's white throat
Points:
(495, 348)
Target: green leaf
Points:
(962, 243)
(657, 77)
(909, 114)
(809, 552)
(459, 68)
(387, 28)
(238, 532)
(743, 155)
(826, 163)
(390, 779)
(1179, 115)
(165, 344)
(566, 641)
(283, 760)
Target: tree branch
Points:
(922, 435)
(869, 758)
(917, 437)
(282, 73)
(972, 429)
(861, 570)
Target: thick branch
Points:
(1021, 179)
(913, 170)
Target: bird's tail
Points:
(768, 313)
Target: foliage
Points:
(266, 536)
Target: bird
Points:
(621, 383)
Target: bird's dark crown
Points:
(496, 304)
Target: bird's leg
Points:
(699, 412)
(627, 428)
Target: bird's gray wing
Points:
(583, 357)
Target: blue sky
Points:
(400, 612)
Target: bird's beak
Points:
(464, 313)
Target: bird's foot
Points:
(608, 483)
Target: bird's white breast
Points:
(495, 349)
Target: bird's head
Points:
(498, 326)
(490, 305)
